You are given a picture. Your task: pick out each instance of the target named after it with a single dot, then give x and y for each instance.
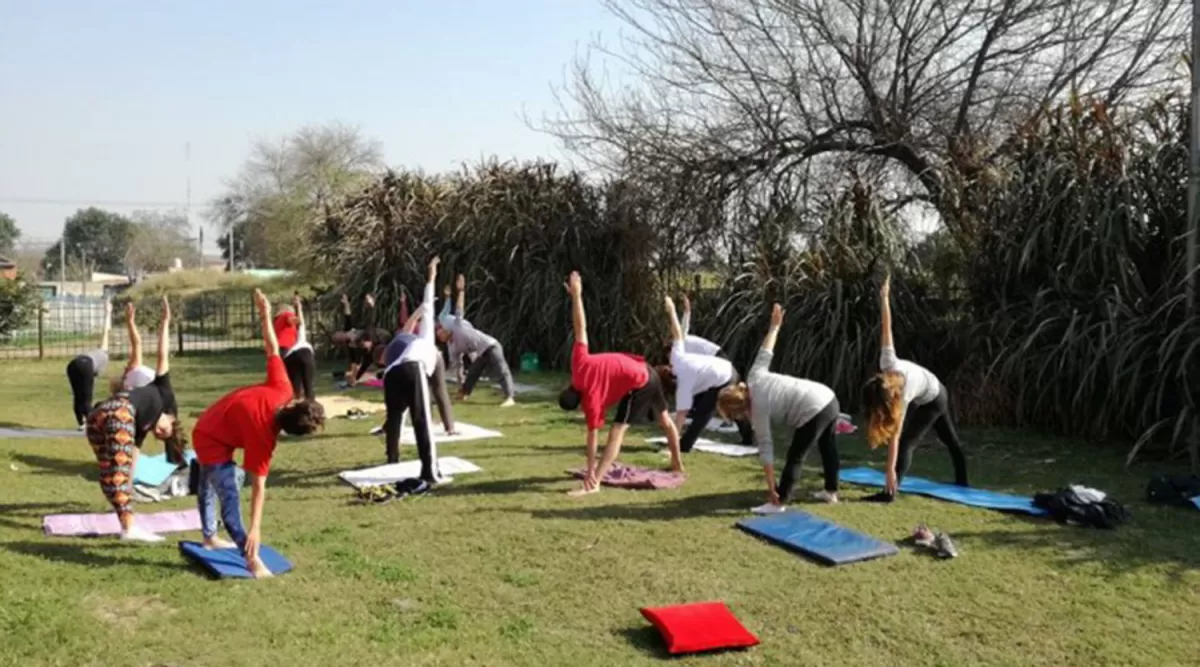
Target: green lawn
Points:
(502, 568)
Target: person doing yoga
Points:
(464, 339)
(117, 426)
(83, 370)
(902, 402)
(446, 319)
(360, 343)
(601, 380)
(298, 356)
(406, 391)
(696, 379)
(250, 419)
(809, 408)
(696, 344)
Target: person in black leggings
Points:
(83, 370)
(299, 359)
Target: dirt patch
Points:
(128, 611)
(336, 406)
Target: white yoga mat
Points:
(722, 448)
(719, 427)
(39, 433)
(394, 472)
(465, 432)
(519, 387)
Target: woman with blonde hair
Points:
(902, 402)
(809, 408)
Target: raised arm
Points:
(461, 283)
(135, 338)
(410, 324)
(369, 313)
(298, 308)
(427, 301)
(107, 325)
(686, 323)
(403, 311)
(578, 319)
(347, 320)
(768, 343)
(164, 339)
(447, 303)
(676, 330)
(270, 343)
(885, 313)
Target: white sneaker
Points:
(139, 534)
(769, 508)
(508, 403)
(378, 430)
(830, 497)
(82, 428)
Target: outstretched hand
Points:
(108, 308)
(345, 301)
(574, 284)
(403, 297)
(130, 312)
(669, 303)
(433, 264)
(166, 309)
(446, 291)
(370, 299)
(460, 283)
(296, 301)
(885, 289)
(776, 316)
(687, 303)
(260, 300)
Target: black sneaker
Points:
(945, 546)
(411, 487)
(881, 497)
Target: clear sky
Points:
(98, 99)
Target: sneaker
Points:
(769, 508)
(139, 534)
(830, 497)
(508, 403)
(881, 497)
(411, 487)
(82, 428)
(945, 546)
(922, 536)
(378, 430)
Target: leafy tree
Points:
(158, 238)
(19, 303)
(8, 234)
(95, 240)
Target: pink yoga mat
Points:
(87, 525)
(632, 477)
(373, 382)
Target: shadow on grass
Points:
(647, 640)
(27, 516)
(44, 465)
(86, 556)
(306, 479)
(499, 486)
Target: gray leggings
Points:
(492, 357)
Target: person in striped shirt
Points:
(809, 408)
(462, 338)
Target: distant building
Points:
(8, 270)
(100, 285)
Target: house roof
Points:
(6, 263)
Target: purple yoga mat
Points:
(87, 525)
(632, 477)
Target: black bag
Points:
(1173, 489)
(1067, 507)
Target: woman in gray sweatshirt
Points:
(809, 408)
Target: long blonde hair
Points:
(733, 403)
(883, 401)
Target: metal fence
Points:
(69, 326)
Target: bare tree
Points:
(158, 239)
(729, 92)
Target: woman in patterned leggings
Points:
(117, 426)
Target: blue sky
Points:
(98, 99)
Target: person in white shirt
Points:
(902, 402)
(810, 408)
(406, 390)
(696, 379)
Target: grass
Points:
(501, 568)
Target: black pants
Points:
(917, 422)
(301, 367)
(405, 388)
(646, 402)
(822, 431)
(493, 359)
(81, 373)
(704, 408)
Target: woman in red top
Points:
(599, 381)
(295, 349)
(250, 419)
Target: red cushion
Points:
(700, 626)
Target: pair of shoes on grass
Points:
(940, 543)
(385, 493)
(355, 414)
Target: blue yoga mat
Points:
(229, 563)
(813, 536)
(950, 492)
(1196, 502)
(154, 470)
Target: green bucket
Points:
(530, 362)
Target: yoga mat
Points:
(712, 447)
(1196, 502)
(949, 492)
(394, 472)
(844, 426)
(633, 477)
(229, 563)
(464, 432)
(154, 470)
(816, 537)
(518, 387)
(91, 525)
(39, 433)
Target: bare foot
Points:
(260, 571)
(677, 466)
(218, 543)
(585, 490)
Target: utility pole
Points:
(62, 263)
(1193, 206)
